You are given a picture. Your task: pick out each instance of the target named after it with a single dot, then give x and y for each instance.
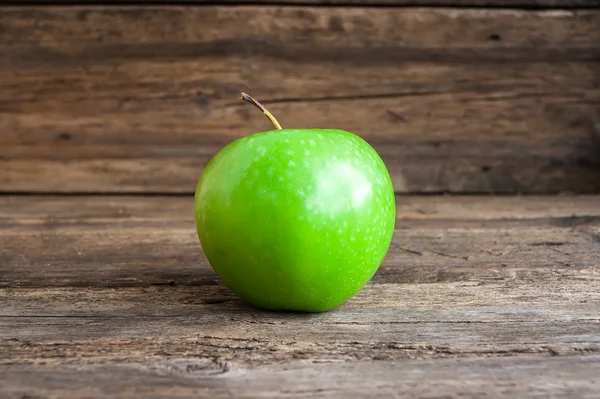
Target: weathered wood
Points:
(522, 377)
(207, 335)
(467, 315)
(209, 339)
(111, 297)
(108, 241)
(138, 99)
(423, 3)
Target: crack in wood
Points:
(374, 96)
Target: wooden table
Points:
(111, 296)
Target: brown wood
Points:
(137, 99)
(131, 241)
(479, 296)
(498, 377)
(366, 3)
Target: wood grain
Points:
(132, 241)
(137, 99)
(479, 296)
(522, 377)
(533, 4)
(456, 313)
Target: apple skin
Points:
(295, 219)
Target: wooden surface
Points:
(137, 99)
(478, 297)
(527, 4)
(110, 296)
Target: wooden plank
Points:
(211, 338)
(170, 332)
(207, 333)
(472, 315)
(93, 100)
(190, 378)
(133, 241)
(366, 3)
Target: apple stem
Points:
(258, 105)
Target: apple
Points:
(295, 219)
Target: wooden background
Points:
(457, 96)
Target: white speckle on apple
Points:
(311, 142)
(280, 178)
(261, 151)
(289, 152)
(291, 163)
(306, 152)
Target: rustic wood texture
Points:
(122, 241)
(479, 296)
(137, 99)
(496, 377)
(423, 3)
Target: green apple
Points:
(295, 219)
